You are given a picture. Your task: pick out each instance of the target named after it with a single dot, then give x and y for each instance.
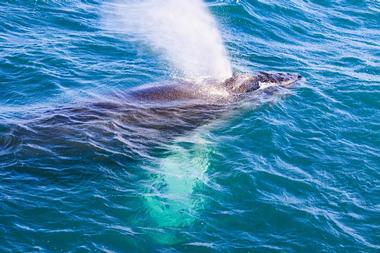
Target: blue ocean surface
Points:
(298, 172)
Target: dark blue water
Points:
(298, 172)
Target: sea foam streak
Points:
(183, 32)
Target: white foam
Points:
(265, 85)
(183, 32)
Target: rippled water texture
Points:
(82, 170)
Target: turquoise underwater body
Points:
(292, 173)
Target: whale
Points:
(140, 120)
(209, 91)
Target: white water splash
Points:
(183, 32)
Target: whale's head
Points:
(243, 83)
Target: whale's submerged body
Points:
(143, 117)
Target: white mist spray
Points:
(183, 32)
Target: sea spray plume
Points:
(183, 32)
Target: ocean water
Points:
(81, 170)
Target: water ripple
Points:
(83, 170)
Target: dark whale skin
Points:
(135, 121)
(238, 84)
